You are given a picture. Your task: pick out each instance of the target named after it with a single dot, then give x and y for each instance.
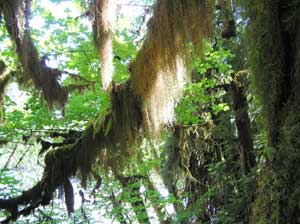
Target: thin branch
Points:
(50, 130)
(22, 157)
(48, 217)
(55, 53)
(136, 5)
(79, 87)
(189, 125)
(77, 76)
(89, 62)
(10, 156)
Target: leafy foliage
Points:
(205, 96)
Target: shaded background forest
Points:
(167, 111)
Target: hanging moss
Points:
(174, 24)
(112, 142)
(189, 153)
(16, 15)
(124, 128)
(158, 70)
(104, 16)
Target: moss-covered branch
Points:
(111, 135)
(110, 140)
(16, 13)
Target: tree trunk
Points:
(155, 203)
(242, 122)
(275, 35)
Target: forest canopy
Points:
(149, 111)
